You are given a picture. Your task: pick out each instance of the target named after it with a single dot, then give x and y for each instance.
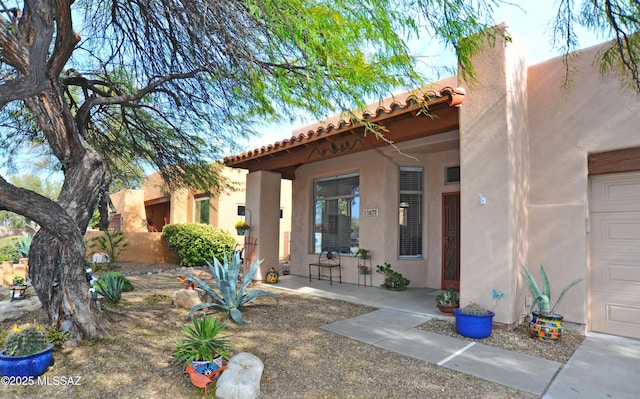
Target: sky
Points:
(529, 22)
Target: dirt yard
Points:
(301, 360)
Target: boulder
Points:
(242, 379)
(187, 299)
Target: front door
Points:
(451, 240)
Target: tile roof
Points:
(374, 112)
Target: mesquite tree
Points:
(173, 83)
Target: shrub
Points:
(196, 243)
(8, 248)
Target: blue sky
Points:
(529, 22)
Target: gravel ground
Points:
(301, 360)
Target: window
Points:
(452, 174)
(336, 213)
(201, 210)
(410, 213)
(241, 210)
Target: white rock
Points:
(242, 379)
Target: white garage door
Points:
(615, 254)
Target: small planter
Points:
(546, 328)
(17, 292)
(447, 308)
(240, 231)
(32, 365)
(207, 368)
(473, 325)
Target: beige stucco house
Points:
(148, 209)
(521, 172)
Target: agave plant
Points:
(230, 299)
(110, 286)
(542, 298)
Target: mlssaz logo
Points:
(334, 148)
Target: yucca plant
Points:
(202, 341)
(230, 299)
(542, 298)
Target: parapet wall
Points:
(9, 268)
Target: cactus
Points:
(26, 339)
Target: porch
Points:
(419, 301)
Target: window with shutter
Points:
(410, 212)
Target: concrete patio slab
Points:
(422, 345)
(604, 366)
(526, 373)
(375, 326)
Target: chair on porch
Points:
(329, 259)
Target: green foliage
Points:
(55, 336)
(26, 339)
(448, 297)
(111, 287)
(113, 243)
(542, 298)
(126, 283)
(23, 245)
(17, 279)
(196, 243)
(203, 341)
(230, 299)
(393, 280)
(8, 248)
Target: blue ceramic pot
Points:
(25, 366)
(472, 325)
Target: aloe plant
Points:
(542, 298)
(230, 299)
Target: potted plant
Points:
(362, 255)
(203, 345)
(448, 300)
(241, 227)
(27, 352)
(18, 287)
(474, 321)
(545, 324)
(393, 280)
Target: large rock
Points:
(242, 379)
(187, 299)
(13, 310)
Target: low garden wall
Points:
(9, 268)
(143, 247)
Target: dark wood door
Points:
(451, 240)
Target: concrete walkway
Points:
(603, 366)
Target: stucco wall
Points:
(143, 248)
(379, 174)
(593, 115)
(493, 147)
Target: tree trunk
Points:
(57, 256)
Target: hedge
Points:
(196, 243)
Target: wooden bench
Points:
(330, 259)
